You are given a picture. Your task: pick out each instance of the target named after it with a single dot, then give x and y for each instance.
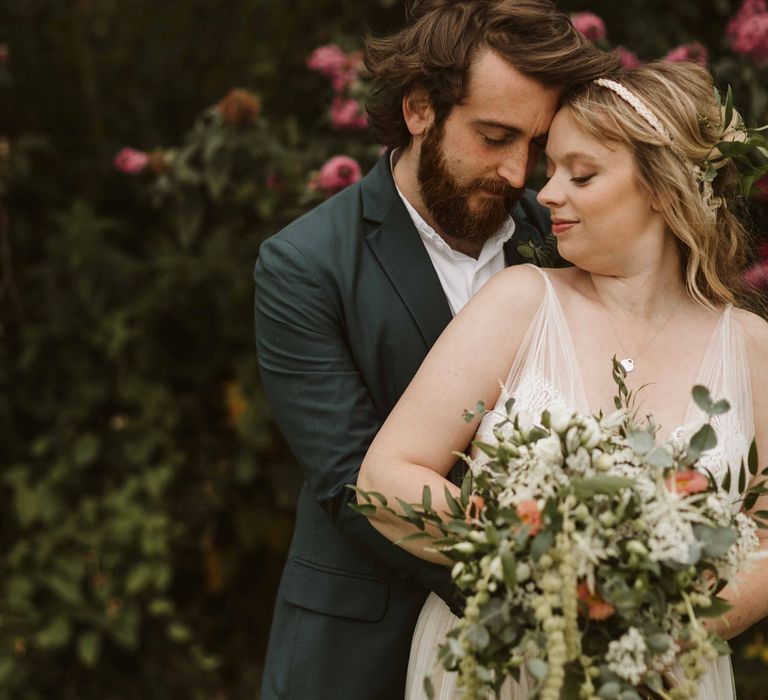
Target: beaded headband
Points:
(636, 103)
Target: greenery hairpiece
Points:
(746, 147)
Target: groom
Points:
(350, 297)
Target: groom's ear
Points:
(418, 112)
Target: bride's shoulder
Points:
(753, 326)
(754, 330)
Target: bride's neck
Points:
(646, 291)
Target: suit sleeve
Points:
(320, 401)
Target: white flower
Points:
(579, 462)
(626, 656)
(603, 461)
(591, 434)
(495, 569)
(548, 450)
(522, 571)
(559, 419)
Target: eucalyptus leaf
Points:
(541, 544)
(702, 398)
(478, 636)
(659, 457)
(704, 439)
(538, 668)
(609, 690)
(641, 441)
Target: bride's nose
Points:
(551, 195)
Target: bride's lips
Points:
(560, 226)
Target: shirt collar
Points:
(490, 248)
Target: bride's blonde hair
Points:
(713, 242)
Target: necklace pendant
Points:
(628, 364)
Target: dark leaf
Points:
(426, 497)
(752, 459)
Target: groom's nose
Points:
(514, 168)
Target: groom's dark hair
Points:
(440, 40)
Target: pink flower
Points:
(695, 53)
(131, 161)
(748, 31)
(529, 513)
(590, 25)
(756, 276)
(328, 60)
(336, 174)
(629, 60)
(688, 482)
(346, 113)
(340, 68)
(762, 187)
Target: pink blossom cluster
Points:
(748, 31)
(347, 113)
(342, 69)
(590, 25)
(131, 161)
(695, 53)
(593, 28)
(336, 174)
(629, 59)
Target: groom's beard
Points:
(449, 202)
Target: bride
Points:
(656, 251)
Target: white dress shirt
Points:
(461, 276)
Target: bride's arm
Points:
(749, 596)
(414, 447)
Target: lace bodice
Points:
(545, 373)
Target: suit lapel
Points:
(402, 255)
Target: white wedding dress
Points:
(545, 373)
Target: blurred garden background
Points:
(146, 150)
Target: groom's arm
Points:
(320, 401)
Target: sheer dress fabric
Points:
(545, 373)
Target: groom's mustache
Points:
(498, 187)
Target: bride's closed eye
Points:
(582, 180)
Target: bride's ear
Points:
(418, 112)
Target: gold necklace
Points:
(628, 362)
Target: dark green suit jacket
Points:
(347, 306)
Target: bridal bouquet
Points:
(588, 555)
